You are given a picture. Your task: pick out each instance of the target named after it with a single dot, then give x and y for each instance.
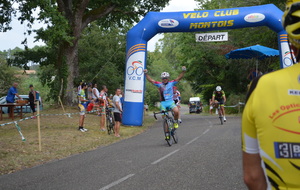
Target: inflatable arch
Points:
(189, 21)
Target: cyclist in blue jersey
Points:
(166, 92)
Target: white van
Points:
(195, 105)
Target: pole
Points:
(39, 125)
(61, 104)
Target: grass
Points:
(59, 136)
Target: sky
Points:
(14, 37)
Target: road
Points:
(207, 157)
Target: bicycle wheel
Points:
(174, 135)
(221, 119)
(108, 125)
(112, 124)
(166, 128)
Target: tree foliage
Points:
(66, 20)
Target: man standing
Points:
(117, 111)
(32, 99)
(102, 105)
(82, 105)
(12, 92)
(271, 123)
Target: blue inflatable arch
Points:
(190, 21)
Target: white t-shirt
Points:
(117, 99)
(96, 92)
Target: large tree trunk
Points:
(72, 62)
(77, 22)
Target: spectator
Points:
(95, 96)
(82, 105)
(117, 112)
(110, 101)
(102, 104)
(146, 107)
(79, 87)
(90, 91)
(12, 92)
(210, 106)
(32, 99)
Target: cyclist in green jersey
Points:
(220, 96)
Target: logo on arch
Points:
(254, 17)
(168, 23)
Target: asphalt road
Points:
(207, 157)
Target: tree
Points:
(66, 19)
(7, 74)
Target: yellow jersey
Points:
(271, 126)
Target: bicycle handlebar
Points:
(161, 112)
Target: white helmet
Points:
(218, 88)
(165, 75)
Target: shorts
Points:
(176, 101)
(117, 116)
(167, 105)
(81, 109)
(221, 102)
(102, 110)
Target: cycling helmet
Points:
(291, 22)
(165, 75)
(218, 88)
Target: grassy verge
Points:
(60, 139)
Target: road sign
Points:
(212, 37)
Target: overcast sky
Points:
(14, 37)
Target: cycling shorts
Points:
(221, 101)
(167, 105)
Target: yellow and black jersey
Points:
(271, 126)
(219, 95)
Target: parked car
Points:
(195, 105)
(25, 109)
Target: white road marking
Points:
(117, 182)
(193, 140)
(205, 131)
(166, 156)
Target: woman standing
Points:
(32, 99)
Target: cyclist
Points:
(166, 92)
(270, 124)
(177, 98)
(220, 96)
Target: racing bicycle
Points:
(218, 106)
(168, 126)
(110, 121)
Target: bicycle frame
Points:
(168, 126)
(220, 113)
(110, 122)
